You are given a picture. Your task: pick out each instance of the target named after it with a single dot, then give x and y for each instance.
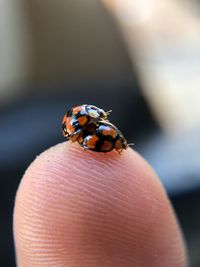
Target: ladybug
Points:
(77, 118)
(102, 137)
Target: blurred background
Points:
(140, 58)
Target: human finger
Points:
(80, 208)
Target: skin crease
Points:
(81, 208)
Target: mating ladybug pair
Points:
(88, 125)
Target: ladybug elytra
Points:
(103, 138)
(89, 126)
(77, 118)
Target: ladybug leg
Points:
(65, 134)
(85, 147)
(131, 144)
(64, 130)
(119, 151)
(74, 137)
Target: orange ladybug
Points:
(102, 137)
(77, 118)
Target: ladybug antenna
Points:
(131, 144)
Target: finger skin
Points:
(81, 208)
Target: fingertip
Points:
(81, 208)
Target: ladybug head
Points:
(95, 112)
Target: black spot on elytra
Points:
(69, 112)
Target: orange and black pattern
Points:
(89, 126)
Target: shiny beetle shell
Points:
(103, 137)
(77, 118)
